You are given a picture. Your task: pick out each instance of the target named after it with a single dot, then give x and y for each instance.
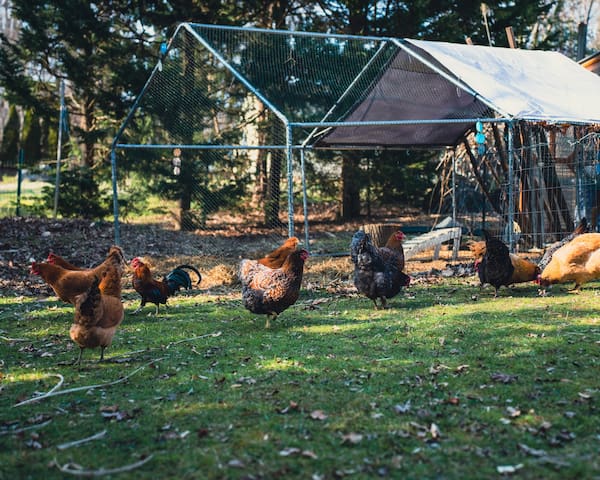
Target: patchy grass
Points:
(447, 383)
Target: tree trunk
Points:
(274, 190)
(186, 217)
(350, 205)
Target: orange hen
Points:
(67, 284)
(577, 261)
(271, 291)
(276, 258)
(96, 319)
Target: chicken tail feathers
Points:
(193, 269)
(88, 304)
(178, 278)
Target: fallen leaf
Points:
(293, 406)
(352, 438)
(461, 368)
(513, 412)
(309, 454)
(502, 469)
(402, 407)
(503, 377)
(286, 452)
(531, 451)
(318, 415)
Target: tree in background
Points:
(31, 138)
(98, 48)
(106, 49)
(9, 148)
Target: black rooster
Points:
(377, 271)
(495, 267)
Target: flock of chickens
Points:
(272, 284)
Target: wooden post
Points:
(510, 35)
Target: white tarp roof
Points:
(523, 84)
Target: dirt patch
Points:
(215, 253)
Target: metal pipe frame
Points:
(511, 198)
(304, 201)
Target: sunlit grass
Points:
(446, 383)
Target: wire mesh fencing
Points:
(544, 190)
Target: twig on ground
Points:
(76, 443)
(8, 339)
(24, 429)
(216, 334)
(58, 385)
(88, 387)
(102, 471)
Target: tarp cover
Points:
(514, 84)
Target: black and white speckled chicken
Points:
(376, 270)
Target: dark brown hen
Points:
(495, 267)
(377, 272)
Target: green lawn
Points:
(447, 383)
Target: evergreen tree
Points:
(31, 138)
(98, 47)
(9, 148)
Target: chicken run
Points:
(103, 293)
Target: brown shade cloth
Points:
(407, 90)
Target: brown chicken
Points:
(67, 284)
(394, 242)
(582, 227)
(157, 291)
(524, 270)
(276, 258)
(55, 259)
(271, 291)
(577, 261)
(96, 319)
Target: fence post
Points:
(511, 198)
(19, 180)
(59, 146)
(290, 175)
(304, 200)
(113, 165)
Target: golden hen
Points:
(577, 261)
(276, 258)
(96, 319)
(67, 284)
